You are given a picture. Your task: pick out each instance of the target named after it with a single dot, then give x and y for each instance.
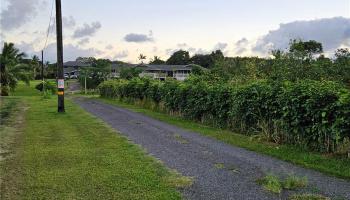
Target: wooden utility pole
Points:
(60, 76)
(42, 72)
(42, 65)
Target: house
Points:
(72, 68)
(161, 72)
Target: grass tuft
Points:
(271, 183)
(178, 181)
(294, 182)
(219, 166)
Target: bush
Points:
(312, 114)
(49, 87)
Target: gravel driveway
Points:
(220, 171)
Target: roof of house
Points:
(75, 64)
(165, 67)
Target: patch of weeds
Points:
(308, 197)
(179, 138)
(219, 166)
(294, 182)
(274, 184)
(177, 180)
(233, 169)
(271, 183)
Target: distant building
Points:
(160, 72)
(72, 68)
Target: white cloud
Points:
(109, 47)
(139, 38)
(122, 54)
(68, 22)
(18, 13)
(331, 32)
(84, 41)
(241, 46)
(220, 46)
(87, 30)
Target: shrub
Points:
(312, 114)
(49, 87)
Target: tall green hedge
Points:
(313, 114)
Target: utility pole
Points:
(60, 77)
(42, 71)
(42, 65)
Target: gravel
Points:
(220, 171)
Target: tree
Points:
(202, 60)
(156, 61)
(342, 64)
(207, 61)
(87, 60)
(11, 69)
(130, 72)
(142, 57)
(180, 57)
(305, 50)
(35, 64)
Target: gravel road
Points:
(220, 171)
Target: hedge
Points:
(312, 114)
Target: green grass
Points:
(77, 156)
(271, 183)
(338, 167)
(294, 182)
(26, 90)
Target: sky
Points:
(123, 29)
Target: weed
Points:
(294, 182)
(271, 183)
(219, 166)
(179, 138)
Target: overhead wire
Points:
(49, 26)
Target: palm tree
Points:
(142, 57)
(11, 70)
(35, 65)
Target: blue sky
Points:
(120, 29)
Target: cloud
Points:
(68, 22)
(241, 46)
(87, 30)
(331, 32)
(70, 51)
(138, 38)
(182, 45)
(17, 13)
(220, 46)
(122, 54)
(109, 47)
(84, 41)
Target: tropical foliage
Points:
(297, 97)
(12, 69)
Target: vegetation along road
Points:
(219, 170)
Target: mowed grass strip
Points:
(76, 156)
(331, 165)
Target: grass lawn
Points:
(339, 167)
(76, 156)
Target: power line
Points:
(48, 28)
